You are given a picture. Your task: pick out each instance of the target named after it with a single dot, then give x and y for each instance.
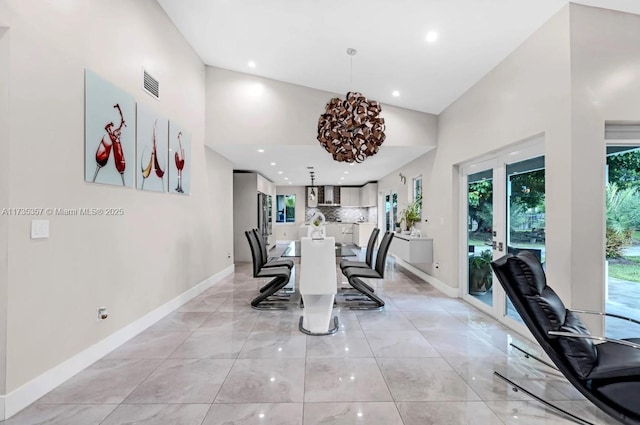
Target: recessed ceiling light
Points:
(395, 93)
(251, 64)
(432, 36)
(352, 164)
(261, 150)
(289, 182)
(273, 163)
(286, 178)
(279, 172)
(346, 172)
(341, 178)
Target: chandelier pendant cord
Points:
(351, 75)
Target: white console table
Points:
(412, 249)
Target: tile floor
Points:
(425, 359)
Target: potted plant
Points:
(399, 224)
(411, 214)
(480, 277)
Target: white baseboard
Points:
(23, 396)
(438, 284)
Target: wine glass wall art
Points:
(152, 147)
(179, 160)
(110, 129)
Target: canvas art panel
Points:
(179, 160)
(152, 148)
(110, 129)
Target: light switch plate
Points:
(39, 229)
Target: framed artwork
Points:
(152, 146)
(110, 130)
(179, 160)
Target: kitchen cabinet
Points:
(369, 195)
(412, 250)
(361, 233)
(347, 233)
(349, 196)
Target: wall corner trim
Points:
(23, 396)
(438, 284)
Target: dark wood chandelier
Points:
(351, 130)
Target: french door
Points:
(503, 211)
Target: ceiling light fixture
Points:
(395, 93)
(351, 129)
(279, 172)
(312, 194)
(251, 64)
(273, 163)
(261, 150)
(432, 36)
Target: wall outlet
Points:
(102, 314)
(437, 265)
(228, 255)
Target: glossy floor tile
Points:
(425, 359)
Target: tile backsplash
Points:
(347, 214)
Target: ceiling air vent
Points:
(151, 85)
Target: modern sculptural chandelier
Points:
(351, 129)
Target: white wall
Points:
(287, 114)
(289, 231)
(4, 200)
(163, 245)
(605, 87)
(220, 179)
(527, 94)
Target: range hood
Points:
(328, 196)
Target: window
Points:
(417, 192)
(286, 207)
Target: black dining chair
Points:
(607, 374)
(280, 275)
(265, 256)
(355, 275)
(368, 263)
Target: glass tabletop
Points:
(293, 250)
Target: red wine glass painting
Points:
(110, 141)
(179, 158)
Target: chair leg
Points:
(553, 407)
(359, 285)
(258, 303)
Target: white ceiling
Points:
(304, 42)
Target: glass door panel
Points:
(622, 262)
(480, 235)
(391, 211)
(525, 222)
(387, 213)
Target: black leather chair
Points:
(280, 277)
(355, 274)
(607, 374)
(368, 263)
(265, 257)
